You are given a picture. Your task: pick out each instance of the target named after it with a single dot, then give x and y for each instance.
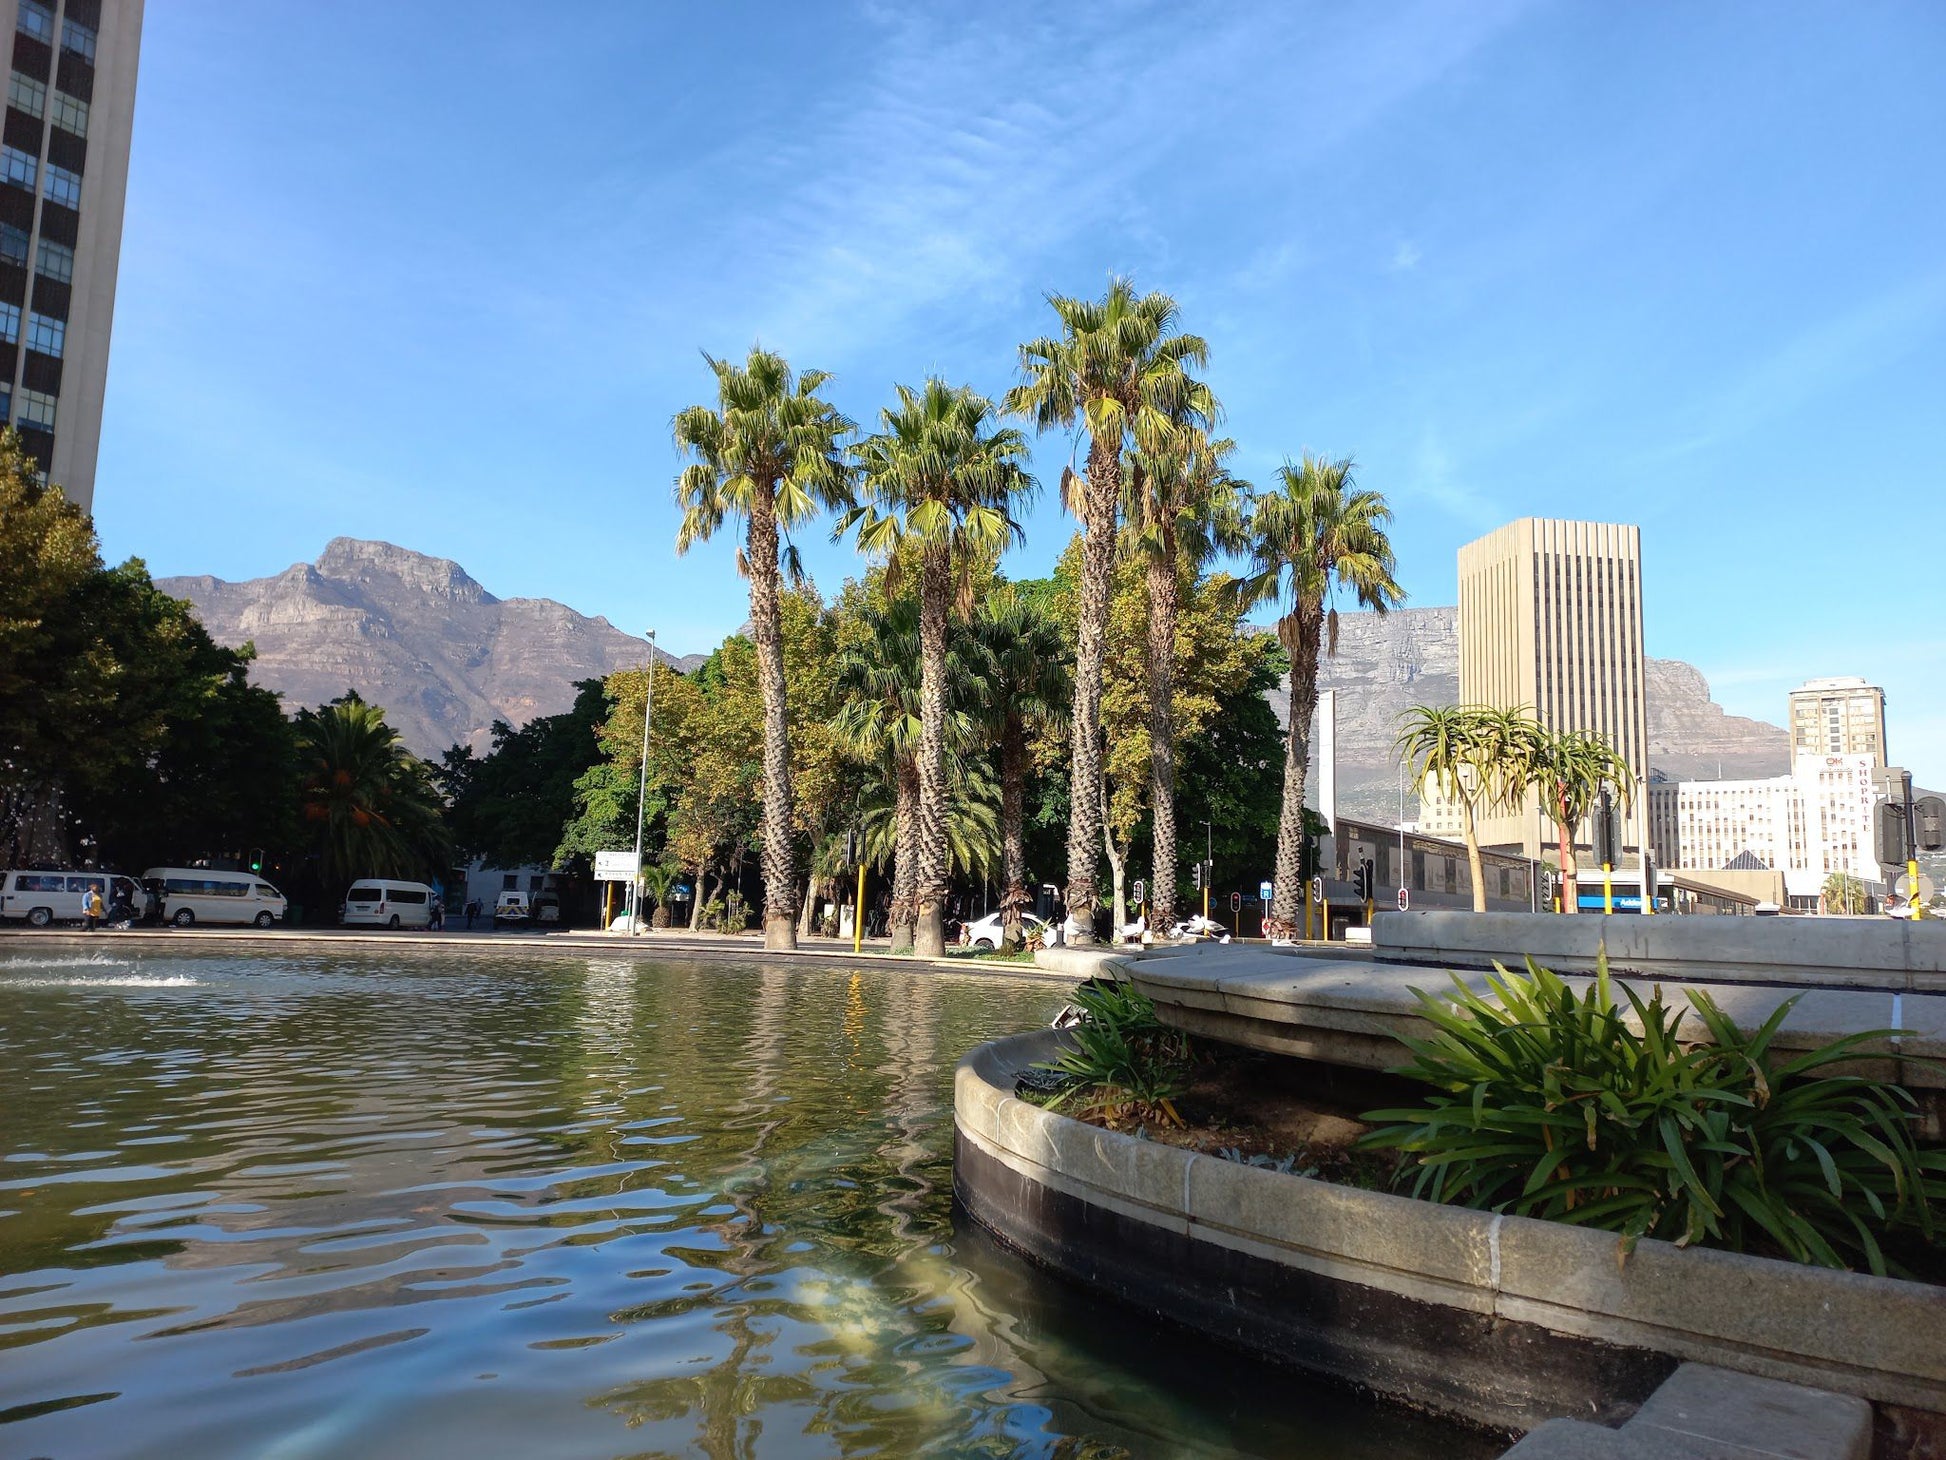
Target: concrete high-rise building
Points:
(1807, 825)
(1550, 620)
(1842, 716)
(63, 177)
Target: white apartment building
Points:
(1807, 825)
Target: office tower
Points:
(63, 177)
(1550, 619)
(1809, 824)
(1844, 716)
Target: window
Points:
(36, 409)
(13, 244)
(9, 322)
(6, 403)
(57, 261)
(27, 94)
(78, 38)
(37, 20)
(70, 114)
(534, 884)
(49, 336)
(18, 167)
(63, 187)
(508, 882)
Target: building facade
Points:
(1807, 825)
(1550, 620)
(1841, 716)
(63, 179)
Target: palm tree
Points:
(1570, 770)
(1029, 686)
(1316, 532)
(1845, 894)
(942, 478)
(771, 454)
(368, 800)
(1181, 507)
(1120, 366)
(1478, 757)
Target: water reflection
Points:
(308, 1207)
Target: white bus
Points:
(192, 895)
(41, 899)
(374, 902)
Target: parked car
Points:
(376, 902)
(987, 932)
(192, 895)
(510, 910)
(42, 898)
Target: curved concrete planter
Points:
(1502, 1321)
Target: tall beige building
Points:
(1550, 620)
(63, 177)
(1843, 716)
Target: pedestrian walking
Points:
(439, 915)
(91, 909)
(472, 912)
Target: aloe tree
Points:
(1570, 770)
(1120, 367)
(1181, 508)
(367, 802)
(1029, 685)
(1478, 757)
(941, 478)
(771, 455)
(1314, 533)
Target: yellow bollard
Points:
(858, 914)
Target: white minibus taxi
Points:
(374, 902)
(44, 898)
(192, 895)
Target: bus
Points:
(192, 895)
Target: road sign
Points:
(1405, 899)
(1265, 891)
(1903, 886)
(616, 867)
(1236, 902)
(1141, 890)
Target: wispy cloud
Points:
(1405, 257)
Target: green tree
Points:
(1120, 367)
(1569, 770)
(770, 454)
(512, 804)
(1182, 508)
(367, 803)
(1313, 534)
(1476, 756)
(1845, 894)
(1029, 682)
(942, 477)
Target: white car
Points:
(988, 931)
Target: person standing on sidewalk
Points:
(91, 909)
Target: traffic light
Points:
(1929, 823)
(257, 860)
(1607, 848)
(1196, 876)
(1890, 827)
(1362, 879)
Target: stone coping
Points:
(1892, 954)
(1879, 1339)
(1354, 1013)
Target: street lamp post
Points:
(641, 800)
(1209, 865)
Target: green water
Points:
(421, 1206)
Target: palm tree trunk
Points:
(1013, 839)
(1116, 868)
(1163, 606)
(1299, 633)
(929, 891)
(780, 874)
(905, 863)
(809, 909)
(1102, 494)
(1570, 888)
(1471, 833)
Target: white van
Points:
(192, 895)
(376, 903)
(43, 898)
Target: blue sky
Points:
(440, 274)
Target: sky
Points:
(442, 274)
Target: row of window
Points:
(37, 20)
(27, 95)
(19, 167)
(44, 333)
(56, 259)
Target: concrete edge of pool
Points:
(1504, 1322)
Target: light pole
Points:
(1209, 865)
(641, 800)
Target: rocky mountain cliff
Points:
(1388, 663)
(413, 633)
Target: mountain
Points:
(415, 634)
(1387, 663)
